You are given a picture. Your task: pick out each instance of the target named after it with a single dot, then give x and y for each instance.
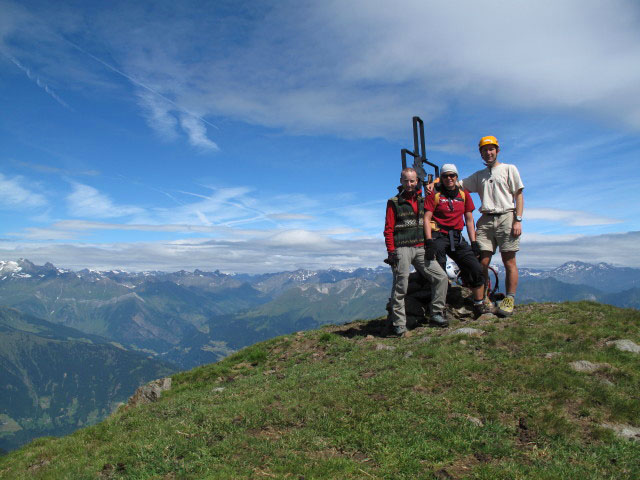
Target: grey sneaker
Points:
(438, 320)
(400, 330)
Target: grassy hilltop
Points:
(345, 402)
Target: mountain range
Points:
(191, 318)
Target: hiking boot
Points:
(506, 306)
(438, 320)
(482, 308)
(400, 330)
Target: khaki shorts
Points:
(494, 231)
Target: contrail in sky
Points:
(37, 80)
(138, 83)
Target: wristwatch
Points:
(518, 218)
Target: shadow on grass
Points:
(378, 328)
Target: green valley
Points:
(55, 379)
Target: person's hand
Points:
(476, 248)
(516, 229)
(392, 259)
(429, 188)
(429, 249)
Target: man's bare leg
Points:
(511, 280)
(485, 261)
(506, 306)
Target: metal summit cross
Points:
(419, 155)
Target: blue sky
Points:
(265, 136)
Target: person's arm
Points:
(471, 228)
(468, 183)
(427, 224)
(429, 208)
(469, 207)
(516, 229)
(389, 226)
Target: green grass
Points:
(321, 405)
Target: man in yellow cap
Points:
(500, 189)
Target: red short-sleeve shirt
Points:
(449, 213)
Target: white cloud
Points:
(574, 218)
(383, 61)
(36, 233)
(56, 170)
(86, 201)
(289, 251)
(289, 216)
(300, 239)
(531, 238)
(354, 69)
(14, 194)
(37, 80)
(158, 115)
(82, 225)
(197, 132)
(622, 249)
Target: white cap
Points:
(448, 168)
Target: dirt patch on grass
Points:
(462, 467)
(526, 436)
(298, 348)
(109, 470)
(332, 452)
(268, 432)
(34, 467)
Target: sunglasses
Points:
(449, 175)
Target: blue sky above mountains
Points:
(265, 136)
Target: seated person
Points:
(446, 210)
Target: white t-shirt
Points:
(497, 187)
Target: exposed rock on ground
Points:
(625, 345)
(624, 431)
(150, 392)
(585, 366)
(471, 332)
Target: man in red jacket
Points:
(404, 238)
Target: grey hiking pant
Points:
(432, 271)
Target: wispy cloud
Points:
(356, 69)
(297, 249)
(37, 233)
(618, 249)
(574, 218)
(56, 170)
(158, 115)
(195, 129)
(83, 225)
(86, 201)
(390, 61)
(36, 79)
(14, 193)
(158, 105)
(289, 216)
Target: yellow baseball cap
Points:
(488, 140)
